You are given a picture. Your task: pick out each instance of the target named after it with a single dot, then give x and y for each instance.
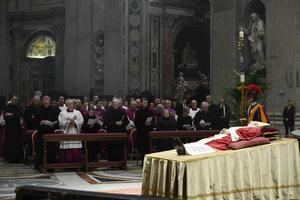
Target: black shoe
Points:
(178, 146)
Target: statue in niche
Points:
(189, 55)
(256, 36)
(99, 52)
(180, 87)
(203, 78)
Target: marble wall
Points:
(282, 48)
(223, 46)
(77, 46)
(283, 55)
(84, 19)
(105, 47)
(3, 48)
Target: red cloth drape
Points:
(246, 133)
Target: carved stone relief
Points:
(98, 70)
(155, 53)
(289, 78)
(297, 78)
(134, 45)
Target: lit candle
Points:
(242, 78)
(241, 34)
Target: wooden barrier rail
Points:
(100, 137)
(30, 192)
(192, 135)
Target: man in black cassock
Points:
(203, 118)
(13, 132)
(92, 125)
(48, 122)
(115, 121)
(31, 120)
(166, 123)
(289, 117)
(143, 121)
(31, 112)
(224, 115)
(213, 111)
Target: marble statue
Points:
(189, 55)
(99, 51)
(256, 36)
(180, 87)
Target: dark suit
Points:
(289, 118)
(224, 116)
(49, 114)
(13, 147)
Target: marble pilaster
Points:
(4, 48)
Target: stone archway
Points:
(192, 58)
(176, 35)
(173, 26)
(23, 27)
(38, 68)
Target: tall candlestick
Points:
(241, 34)
(242, 78)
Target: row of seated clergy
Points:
(209, 117)
(71, 121)
(144, 123)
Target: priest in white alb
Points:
(70, 120)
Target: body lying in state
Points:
(232, 138)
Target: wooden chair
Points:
(59, 131)
(33, 140)
(134, 149)
(27, 143)
(102, 131)
(103, 147)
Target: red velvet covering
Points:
(221, 144)
(246, 133)
(248, 143)
(269, 130)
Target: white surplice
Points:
(61, 108)
(64, 119)
(193, 113)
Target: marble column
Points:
(223, 45)
(168, 69)
(135, 27)
(3, 48)
(59, 62)
(155, 54)
(17, 54)
(77, 47)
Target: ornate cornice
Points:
(37, 15)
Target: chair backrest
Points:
(59, 131)
(33, 141)
(133, 136)
(102, 131)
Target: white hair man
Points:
(115, 121)
(194, 108)
(70, 120)
(203, 119)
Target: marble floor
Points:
(101, 180)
